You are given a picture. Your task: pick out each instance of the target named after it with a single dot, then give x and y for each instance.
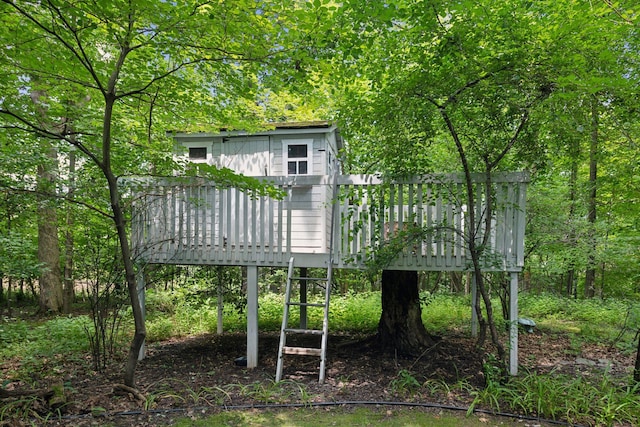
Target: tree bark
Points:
(400, 327)
(573, 184)
(50, 283)
(140, 331)
(636, 369)
(69, 283)
(590, 274)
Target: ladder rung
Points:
(307, 304)
(310, 278)
(305, 331)
(303, 351)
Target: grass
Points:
(324, 417)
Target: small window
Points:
(298, 159)
(198, 153)
(297, 150)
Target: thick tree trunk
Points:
(50, 282)
(400, 327)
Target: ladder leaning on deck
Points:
(285, 330)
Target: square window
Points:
(292, 168)
(302, 167)
(198, 153)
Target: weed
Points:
(405, 383)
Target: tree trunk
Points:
(400, 327)
(120, 222)
(573, 183)
(68, 288)
(590, 275)
(50, 282)
(636, 370)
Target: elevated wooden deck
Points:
(175, 222)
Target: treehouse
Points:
(325, 219)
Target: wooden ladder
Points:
(285, 330)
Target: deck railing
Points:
(423, 223)
(419, 223)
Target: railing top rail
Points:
(455, 178)
(306, 180)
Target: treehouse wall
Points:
(309, 149)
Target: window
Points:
(298, 159)
(197, 153)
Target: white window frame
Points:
(285, 155)
(187, 146)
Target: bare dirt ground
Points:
(198, 375)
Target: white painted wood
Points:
(249, 156)
(309, 143)
(252, 316)
(513, 324)
(140, 283)
(474, 306)
(200, 224)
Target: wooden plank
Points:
(279, 235)
(419, 212)
(459, 226)
(288, 239)
(411, 218)
(513, 324)
(519, 226)
(402, 256)
(302, 351)
(212, 214)
(252, 316)
(261, 224)
(181, 224)
(221, 221)
(448, 240)
(247, 240)
(228, 237)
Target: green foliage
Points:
(405, 383)
(447, 311)
(355, 312)
(580, 400)
(316, 417)
(591, 318)
(18, 256)
(54, 336)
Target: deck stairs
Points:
(287, 331)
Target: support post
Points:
(141, 297)
(513, 324)
(219, 273)
(252, 316)
(474, 306)
(303, 298)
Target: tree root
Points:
(121, 389)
